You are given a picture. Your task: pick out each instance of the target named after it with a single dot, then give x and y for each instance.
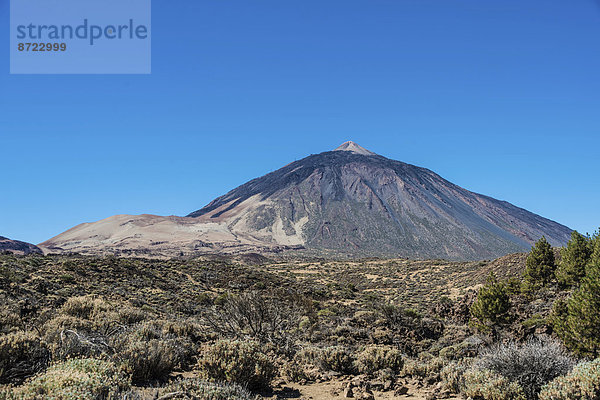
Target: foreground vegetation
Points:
(521, 327)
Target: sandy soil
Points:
(334, 390)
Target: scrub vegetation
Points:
(525, 326)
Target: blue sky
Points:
(501, 97)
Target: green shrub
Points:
(74, 344)
(267, 317)
(452, 375)
(334, 358)
(583, 383)
(539, 267)
(531, 365)
(376, 358)
(295, 371)
(449, 352)
(426, 367)
(193, 388)
(84, 307)
(81, 328)
(82, 379)
(534, 322)
(574, 259)
(9, 318)
(577, 322)
(174, 336)
(147, 361)
(492, 305)
(244, 363)
(595, 258)
(22, 354)
(487, 385)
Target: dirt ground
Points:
(334, 390)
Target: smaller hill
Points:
(17, 247)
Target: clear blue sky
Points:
(501, 97)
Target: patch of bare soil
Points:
(340, 389)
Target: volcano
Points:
(346, 202)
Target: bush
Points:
(426, 367)
(531, 365)
(175, 337)
(409, 323)
(83, 379)
(574, 259)
(244, 363)
(74, 344)
(83, 328)
(577, 322)
(267, 318)
(376, 358)
(147, 361)
(452, 375)
(84, 307)
(539, 267)
(487, 385)
(22, 354)
(193, 388)
(336, 358)
(492, 304)
(583, 383)
(595, 259)
(296, 371)
(10, 320)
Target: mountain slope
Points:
(349, 201)
(17, 247)
(363, 203)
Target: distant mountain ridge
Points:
(17, 247)
(346, 202)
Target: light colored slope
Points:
(153, 235)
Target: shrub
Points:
(173, 335)
(80, 345)
(22, 354)
(449, 352)
(452, 375)
(492, 304)
(335, 358)
(595, 259)
(193, 388)
(577, 322)
(531, 365)
(84, 307)
(147, 361)
(583, 383)
(266, 318)
(82, 328)
(426, 367)
(296, 372)
(376, 358)
(244, 363)
(82, 379)
(574, 259)
(539, 267)
(409, 323)
(10, 320)
(487, 385)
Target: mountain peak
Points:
(344, 203)
(354, 148)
